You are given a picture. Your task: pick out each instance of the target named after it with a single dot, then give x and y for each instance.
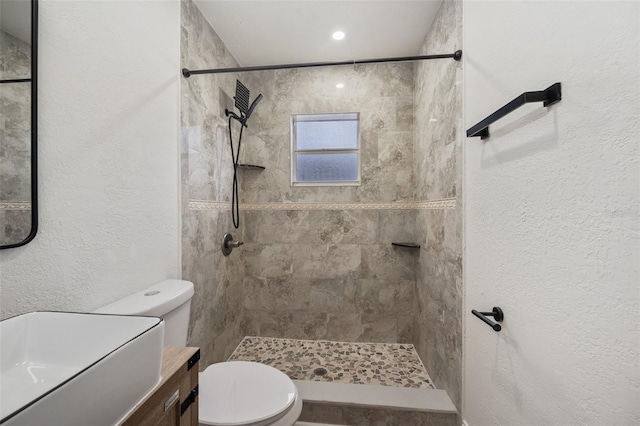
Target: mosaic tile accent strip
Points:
(386, 364)
(444, 204)
(15, 205)
(209, 205)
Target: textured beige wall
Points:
(552, 214)
(107, 158)
(438, 174)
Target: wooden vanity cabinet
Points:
(174, 402)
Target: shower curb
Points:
(344, 404)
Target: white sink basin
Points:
(59, 368)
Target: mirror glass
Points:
(18, 204)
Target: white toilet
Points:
(230, 393)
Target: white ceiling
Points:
(265, 32)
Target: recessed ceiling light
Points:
(340, 85)
(338, 35)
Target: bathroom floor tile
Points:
(387, 364)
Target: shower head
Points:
(242, 97)
(242, 103)
(255, 102)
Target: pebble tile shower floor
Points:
(386, 364)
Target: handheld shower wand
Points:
(255, 102)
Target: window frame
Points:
(294, 149)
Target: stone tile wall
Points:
(438, 174)
(331, 274)
(382, 94)
(216, 308)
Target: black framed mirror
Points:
(18, 122)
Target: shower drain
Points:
(320, 371)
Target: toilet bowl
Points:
(247, 393)
(236, 393)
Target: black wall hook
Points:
(496, 313)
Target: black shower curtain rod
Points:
(457, 55)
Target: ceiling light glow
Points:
(340, 85)
(338, 35)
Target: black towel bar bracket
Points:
(497, 315)
(548, 97)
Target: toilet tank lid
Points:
(157, 300)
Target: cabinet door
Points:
(175, 401)
(159, 409)
(189, 387)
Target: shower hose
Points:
(235, 157)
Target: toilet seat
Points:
(244, 393)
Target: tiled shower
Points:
(318, 263)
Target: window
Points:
(325, 149)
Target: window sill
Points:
(354, 183)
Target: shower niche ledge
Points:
(245, 166)
(407, 245)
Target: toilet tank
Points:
(169, 300)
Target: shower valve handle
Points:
(234, 244)
(228, 244)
